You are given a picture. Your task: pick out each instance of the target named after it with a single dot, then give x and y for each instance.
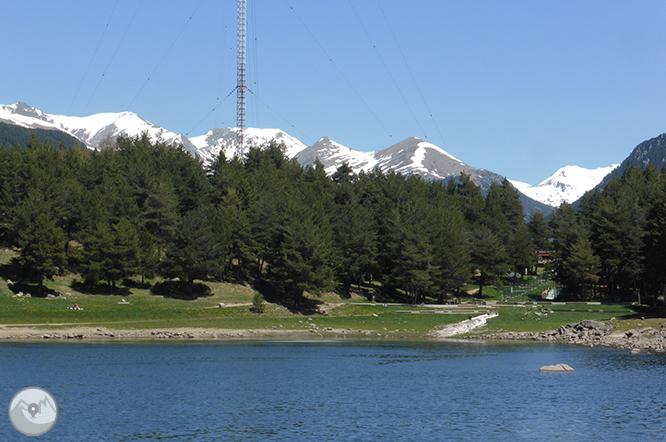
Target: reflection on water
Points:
(339, 391)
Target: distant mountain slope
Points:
(210, 144)
(652, 151)
(20, 114)
(11, 134)
(91, 130)
(332, 155)
(410, 156)
(95, 129)
(566, 185)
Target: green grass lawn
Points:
(149, 311)
(527, 319)
(355, 312)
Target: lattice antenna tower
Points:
(240, 73)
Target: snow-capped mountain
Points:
(332, 155)
(210, 144)
(415, 156)
(20, 114)
(566, 185)
(652, 151)
(410, 156)
(94, 129)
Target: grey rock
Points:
(559, 368)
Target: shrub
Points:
(258, 304)
(181, 290)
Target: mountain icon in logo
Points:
(33, 411)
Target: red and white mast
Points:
(240, 73)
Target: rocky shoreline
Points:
(106, 334)
(587, 333)
(592, 333)
(308, 332)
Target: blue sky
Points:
(520, 88)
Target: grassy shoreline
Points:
(137, 312)
(336, 318)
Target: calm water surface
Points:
(303, 391)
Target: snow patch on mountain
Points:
(566, 185)
(20, 114)
(92, 130)
(332, 155)
(415, 156)
(409, 156)
(423, 156)
(219, 139)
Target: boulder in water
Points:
(559, 368)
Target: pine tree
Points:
(451, 250)
(488, 255)
(303, 262)
(355, 242)
(160, 210)
(503, 214)
(469, 198)
(111, 252)
(43, 250)
(582, 264)
(567, 230)
(194, 250)
(413, 254)
(539, 230)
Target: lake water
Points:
(337, 391)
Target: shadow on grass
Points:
(300, 304)
(344, 291)
(136, 284)
(10, 273)
(32, 290)
(187, 291)
(645, 312)
(100, 289)
(7, 271)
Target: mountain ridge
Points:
(652, 151)
(568, 184)
(409, 156)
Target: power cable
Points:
(165, 54)
(411, 73)
(339, 70)
(213, 110)
(222, 64)
(112, 57)
(387, 70)
(92, 58)
(278, 114)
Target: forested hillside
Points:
(11, 134)
(615, 244)
(145, 208)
